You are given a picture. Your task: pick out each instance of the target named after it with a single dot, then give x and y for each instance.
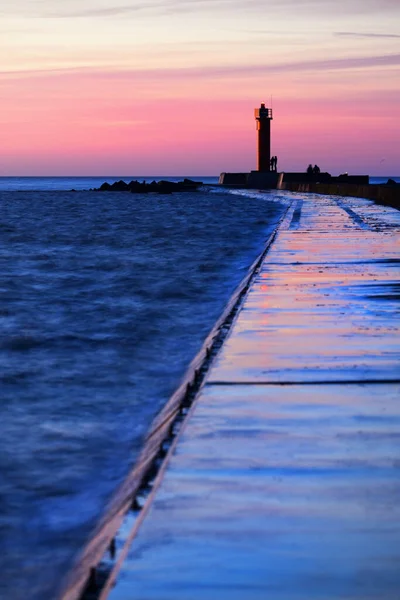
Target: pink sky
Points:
(167, 87)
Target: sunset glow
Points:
(169, 86)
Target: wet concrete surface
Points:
(285, 482)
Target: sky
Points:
(169, 87)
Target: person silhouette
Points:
(271, 163)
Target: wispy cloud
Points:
(160, 7)
(355, 34)
(110, 11)
(220, 71)
(89, 8)
(261, 6)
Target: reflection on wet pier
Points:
(285, 481)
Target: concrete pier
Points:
(285, 481)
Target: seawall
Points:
(382, 194)
(349, 185)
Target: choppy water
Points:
(105, 299)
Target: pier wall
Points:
(356, 186)
(382, 194)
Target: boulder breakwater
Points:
(158, 187)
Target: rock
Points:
(189, 184)
(167, 187)
(119, 186)
(135, 187)
(391, 182)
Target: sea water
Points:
(105, 300)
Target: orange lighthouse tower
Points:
(263, 118)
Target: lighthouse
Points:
(263, 118)
(266, 176)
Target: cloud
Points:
(385, 60)
(88, 8)
(91, 8)
(354, 34)
(209, 72)
(160, 7)
(110, 11)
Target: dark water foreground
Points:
(105, 300)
